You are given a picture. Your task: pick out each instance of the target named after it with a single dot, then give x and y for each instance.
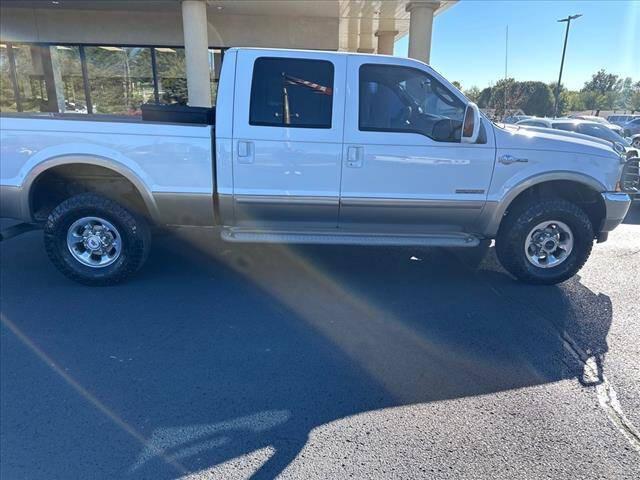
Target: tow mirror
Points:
(471, 124)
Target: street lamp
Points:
(564, 49)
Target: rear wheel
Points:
(96, 241)
(546, 242)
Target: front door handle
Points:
(245, 151)
(354, 157)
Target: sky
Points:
(468, 43)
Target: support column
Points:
(420, 28)
(365, 38)
(386, 40)
(196, 49)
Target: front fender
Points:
(494, 210)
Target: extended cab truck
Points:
(316, 147)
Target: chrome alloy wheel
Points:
(549, 244)
(94, 242)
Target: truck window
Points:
(289, 92)
(404, 99)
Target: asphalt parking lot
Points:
(222, 361)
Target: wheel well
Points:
(56, 184)
(578, 193)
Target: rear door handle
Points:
(354, 157)
(245, 151)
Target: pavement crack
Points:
(592, 367)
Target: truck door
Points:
(404, 167)
(287, 138)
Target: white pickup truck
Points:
(316, 147)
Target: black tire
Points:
(133, 230)
(510, 242)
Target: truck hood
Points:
(534, 138)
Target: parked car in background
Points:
(515, 118)
(621, 119)
(592, 118)
(585, 127)
(632, 127)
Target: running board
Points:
(242, 235)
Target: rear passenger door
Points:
(287, 138)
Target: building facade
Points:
(111, 56)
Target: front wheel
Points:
(96, 241)
(546, 242)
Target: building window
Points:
(67, 69)
(101, 79)
(291, 93)
(7, 90)
(172, 75)
(120, 79)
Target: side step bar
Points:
(241, 235)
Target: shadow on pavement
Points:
(215, 351)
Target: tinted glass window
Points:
(291, 93)
(599, 131)
(569, 127)
(8, 102)
(120, 78)
(403, 99)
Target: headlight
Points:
(619, 148)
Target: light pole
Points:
(564, 49)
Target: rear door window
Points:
(289, 92)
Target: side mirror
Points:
(471, 124)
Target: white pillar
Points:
(196, 49)
(365, 39)
(420, 27)
(386, 40)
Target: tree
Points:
(457, 84)
(592, 100)
(602, 82)
(533, 98)
(536, 98)
(634, 102)
(472, 94)
(626, 93)
(484, 98)
(572, 101)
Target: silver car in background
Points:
(585, 127)
(632, 127)
(621, 119)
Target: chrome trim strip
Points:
(410, 203)
(286, 199)
(336, 237)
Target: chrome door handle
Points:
(354, 157)
(509, 159)
(245, 151)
